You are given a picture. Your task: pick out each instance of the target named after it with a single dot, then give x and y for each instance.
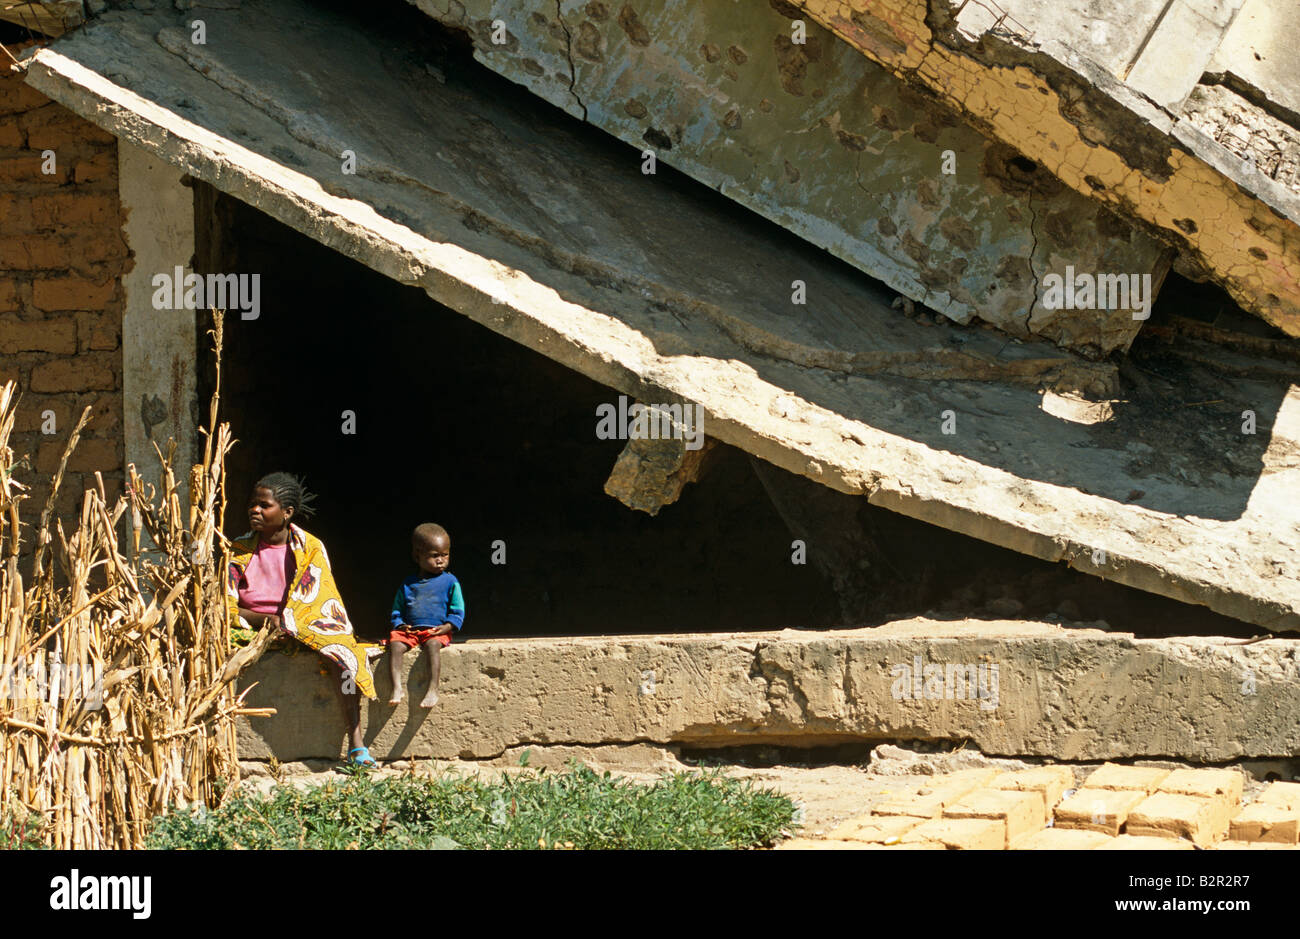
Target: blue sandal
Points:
(365, 759)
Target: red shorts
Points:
(417, 637)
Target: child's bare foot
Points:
(396, 698)
(430, 699)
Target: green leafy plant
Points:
(21, 831)
(577, 809)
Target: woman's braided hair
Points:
(290, 492)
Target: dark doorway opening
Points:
(457, 425)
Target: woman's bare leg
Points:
(351, 707)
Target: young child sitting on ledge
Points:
(428, 607)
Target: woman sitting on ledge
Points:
(280, 574)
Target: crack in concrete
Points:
(1033, 252)
(584, 745)
(568, 52)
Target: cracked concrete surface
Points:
(1257, 57)
(568, 45)
(721, 93)
(1066, 693)
(553, 238)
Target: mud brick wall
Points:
(62, 256)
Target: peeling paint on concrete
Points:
(1099, 137)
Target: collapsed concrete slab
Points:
(829, 145)
(1007, 688)
(545, 234)
(1099, 102)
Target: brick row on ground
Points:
(1116, 808)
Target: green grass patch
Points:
(534, 810)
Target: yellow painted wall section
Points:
(1242, 242)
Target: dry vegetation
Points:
(88, 766)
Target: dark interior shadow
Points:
(458, 425)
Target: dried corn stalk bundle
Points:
(116, 694)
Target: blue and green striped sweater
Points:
(429, 600)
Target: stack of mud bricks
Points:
(62, 255)
(1117, 808)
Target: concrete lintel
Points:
(1006, 688)
(560, 242)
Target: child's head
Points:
(276, 500)
(431, 548)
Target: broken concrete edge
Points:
(1137, 114)
(53, 18)
(1014, 689)
(1243, 87)
(1134, 118)
(1260, 217)
(897, 473)
(652, 473)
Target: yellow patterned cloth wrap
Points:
(313, 612)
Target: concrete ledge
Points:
(1070, 694)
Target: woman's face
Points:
(265, 514)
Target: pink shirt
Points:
(265, 583)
